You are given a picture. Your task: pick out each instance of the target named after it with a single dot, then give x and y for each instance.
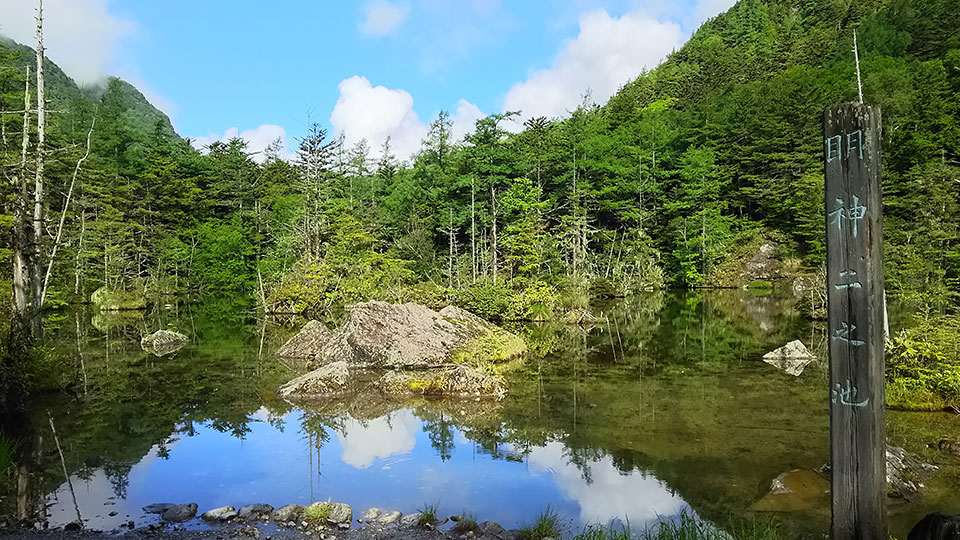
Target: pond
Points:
(662, 407)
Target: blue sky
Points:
(369, 68)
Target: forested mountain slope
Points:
(680, 173)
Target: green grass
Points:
(689, 527)
(8, 449)
(596, 532)
(428, 514)
(468, 522)
(317, 514)
(547, 525)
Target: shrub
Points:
(486, 300)
(534, 303)
(317, 513)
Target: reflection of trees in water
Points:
(440, 429)
(119, 402)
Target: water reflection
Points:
(662, 405)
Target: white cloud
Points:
(610, 494)
(365, 442)
(257, 140)
(364, 111)
(607, 53)
(706, 9)
(81, 36)
(382, 17)
(465, 119)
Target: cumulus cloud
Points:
(81, 36)
(465, 119)
(706, 9)
(382, 17)
(607, 53)
(257, 140)
(364, 111)
(365, 442)
(610, 494)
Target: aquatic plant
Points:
(690, 527)
(428, 514)
(546, 525)
(467, 522)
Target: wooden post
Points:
(855, 307)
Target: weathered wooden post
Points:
(856, 319)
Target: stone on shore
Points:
(410, 336)
(461, 381)
(371, 513)
(252, 512)
(157, 508)
(224, 513)
(163, 342)
(307, 343)
(340, 513)
(489, 528)
(290, 512)
(179, 513)
(905, 474)
(792, 358)
(410, 520)
(387, 518)
(328, 380)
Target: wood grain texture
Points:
(852, 135)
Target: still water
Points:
(662, 407)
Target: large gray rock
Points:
(792, 358)
(224, 513)
(905, 474)
(179, 513)
(252, 512)
(329, 380)
(409, 336)
(340, 513)
(387, 518)
(460, 381)
(410, 520)
(163, 342)
(371, 513)
(307, 343)
(290, 512)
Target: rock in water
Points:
(157, 508)
(340, 513)
(371, 513)
(251, 512)
(905, 473)
(460, 381)
(792, 491)
(389, 517)
(307, 343)
(179, 513)
(163, 342)
(949, 447)
(938, 526)
(224, 513)
(409, 336)
(410, 520)
(792, 358)
(290, 512)
(328, 380)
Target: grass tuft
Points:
(428, 514)
(468, 522)
(547, 525)
(318, 513)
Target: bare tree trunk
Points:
(473, 229)
(21, 331)
(36, 282)
(76, 265)
(856, 56)
(450, 260)
(493, 203)
(63, 217)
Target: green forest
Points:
(687, 168)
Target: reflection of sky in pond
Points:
(387, 462)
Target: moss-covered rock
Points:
(106, 299)
(459, 381)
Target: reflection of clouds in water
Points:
(611, 495)
(364, 442)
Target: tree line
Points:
(682, 170)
